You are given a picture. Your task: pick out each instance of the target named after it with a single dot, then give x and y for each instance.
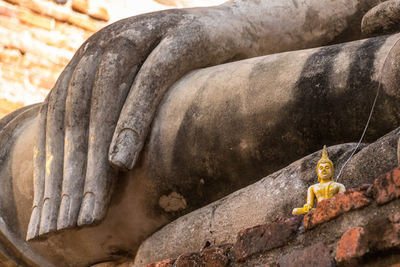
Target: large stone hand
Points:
(142, 56)
(102, 105)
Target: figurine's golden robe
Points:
(326, 188)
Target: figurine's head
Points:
(325, 168)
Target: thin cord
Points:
(372, 111)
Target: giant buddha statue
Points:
(158, 115)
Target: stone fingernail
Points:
(87, 210)
(63, 217)
(33, 228)
(125, 149)
(47, 224)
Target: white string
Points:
(372, 111)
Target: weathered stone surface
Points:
(265, 237)
(371, 161)
(272, 264)
(208, 257)
(387, 187)
(315, 255)
(382, 19)
(127, 264)
(331, 208)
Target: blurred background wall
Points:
(39, 37)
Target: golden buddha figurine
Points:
(326, 188)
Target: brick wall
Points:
(37, 39)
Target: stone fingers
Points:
(39, 160)
(169, 61)
(114, 78)
(54, 147)
(382, 19)
(76, 137)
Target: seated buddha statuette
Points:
(326, 188)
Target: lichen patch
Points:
(172, 202)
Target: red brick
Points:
(8, 12)
(351, 245)
(265, 237)
(80, 5)
(331, 208)
(36, 20)
(100, 13)
(164, 263)
(315, 255)
(387, 187)
(378, 235)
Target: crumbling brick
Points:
(351, 245)
(265, 237)
(381, 234)
(387, 187)
(331, 208)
